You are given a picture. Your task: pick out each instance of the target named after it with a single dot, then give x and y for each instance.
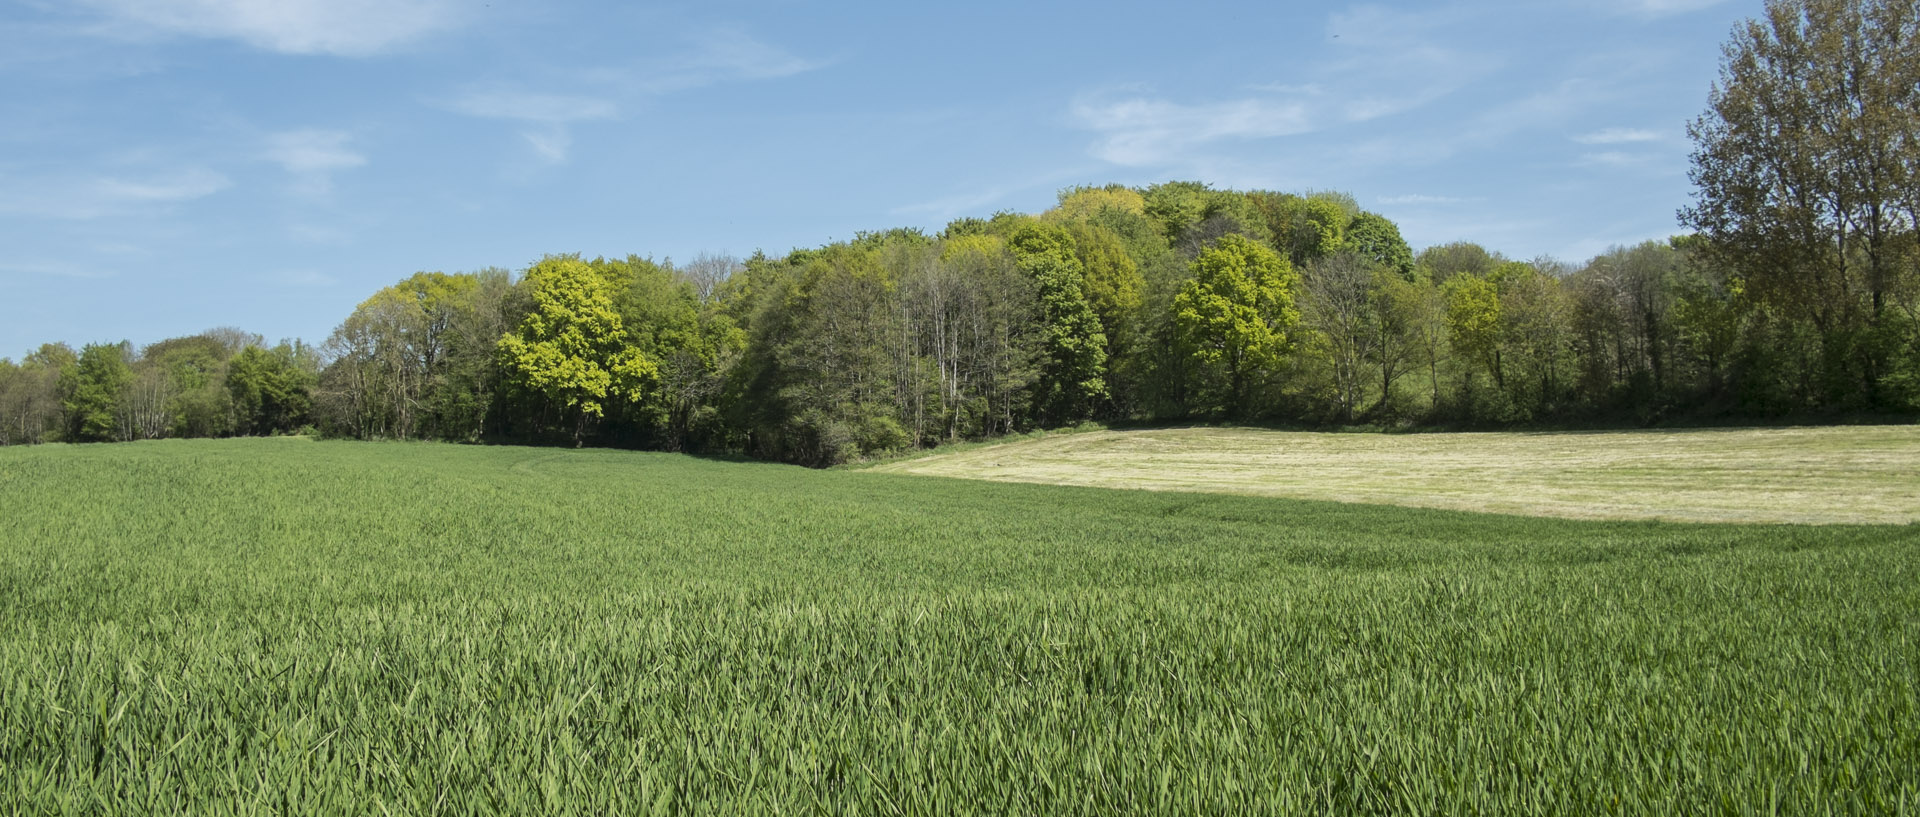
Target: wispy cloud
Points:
(305, 279)
(60, 270)
(532, 107)
(948, 206)
(1614, 158)
(92, 197)
(734, 54)
(1140, 131)
(183, 185)
(1416, 199)
(548, 117)
(338, 27)
(1618, 136)
(1380, 63)
(1660, 8)
(1384, 61)
(978, 199)
(312, 156)
(717, 56)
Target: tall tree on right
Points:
(1807, 165)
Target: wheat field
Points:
(289, 627)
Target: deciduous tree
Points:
(1073, 372)
(1807, 168)
(571, 347)
(1238, 313)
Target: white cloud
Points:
(305, 278)
(1618, 136)
(339, 27)
(532, 107)
(312, 156)
(548, 116)
(721, 55)
(1664, 8)
(1614, 158)
(61, 269)
(1380, 63)
(949, 206)
(552, 144)
(734, 54)
(976, 200)
(1418, 199)
(184, 185)
(91, 197)
(1144, 131)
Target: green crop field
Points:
(282, 626)
(1844, 474)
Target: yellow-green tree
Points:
(1473, 321)
(1238, 312)
(1084, 203)
(571, 348)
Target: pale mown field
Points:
(1852, 474)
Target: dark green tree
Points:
(1073, 374)
(1375, 238)
(271, 388)
(91, 392)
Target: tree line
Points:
(1797, 293)
(1172, 302)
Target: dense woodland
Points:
(1795, 295)
(1176, 302)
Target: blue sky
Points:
(167, 166)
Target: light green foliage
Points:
(1473, 320)
(270, 626)
(571, 347)
(1073, 374)
(1191, 215)
(1238, 312)
(90, 392)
